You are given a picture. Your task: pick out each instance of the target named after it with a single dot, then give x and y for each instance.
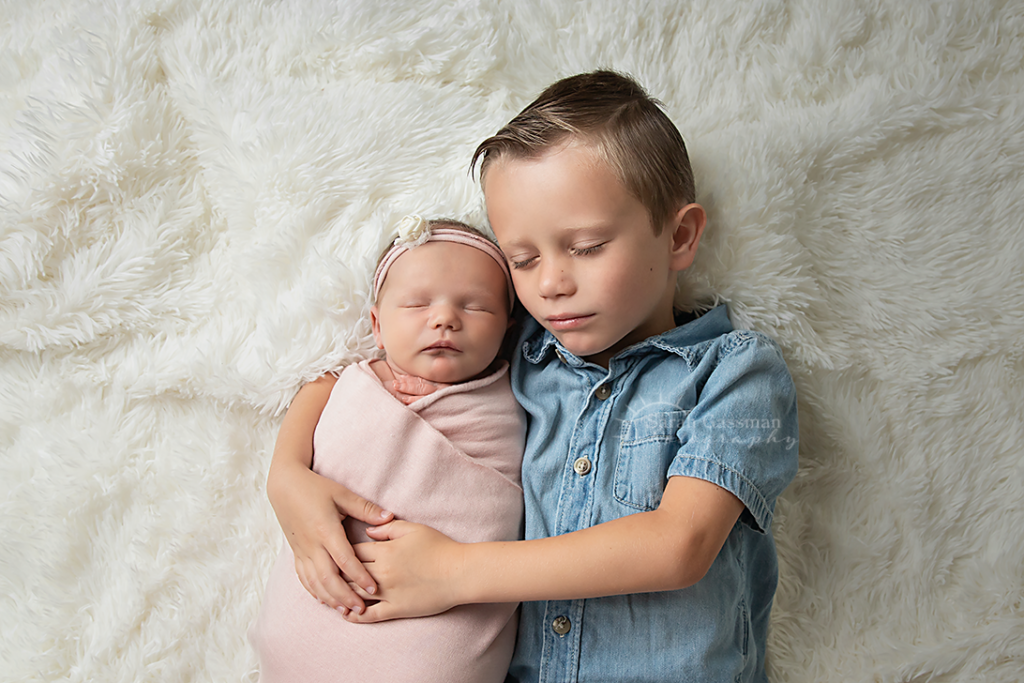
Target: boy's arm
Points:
(423, 572)
(310, 508)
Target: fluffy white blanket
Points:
(192, 194)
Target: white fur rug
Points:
(192, 193)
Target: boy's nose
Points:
(555, 281)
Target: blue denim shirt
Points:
(700, 400)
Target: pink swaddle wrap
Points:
(451, 460)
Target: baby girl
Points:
(431, 432)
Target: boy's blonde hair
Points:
(626, 126)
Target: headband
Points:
(414, 231)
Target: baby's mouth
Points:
(442, 345)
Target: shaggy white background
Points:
(192, 195)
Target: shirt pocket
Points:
(647, 446)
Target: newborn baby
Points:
(431, 432)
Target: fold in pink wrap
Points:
(451, 460)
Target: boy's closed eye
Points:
(520, 263)
(586, 250)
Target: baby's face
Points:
(442, 312)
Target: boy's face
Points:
(442, 313)
(585, 260)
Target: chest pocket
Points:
(647, 446)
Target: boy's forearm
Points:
(282, 476)
(290, 461)
(609, 559)
(666, 549)
(601, 560)
(293, 450)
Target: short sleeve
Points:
(742, 433)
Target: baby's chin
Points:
(441, 371)
(441, 377)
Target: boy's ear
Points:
(688, 226)
(375, 324)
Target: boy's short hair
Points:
(626, 126)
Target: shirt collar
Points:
(537, 342)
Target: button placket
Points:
(562, 624)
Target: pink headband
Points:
(414, 231)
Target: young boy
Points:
(654, 453)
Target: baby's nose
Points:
(445, 316)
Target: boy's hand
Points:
(310, 509)
(415, 570)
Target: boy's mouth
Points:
(568, 321)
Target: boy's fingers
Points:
(371, 615)
(357, 507)
(321, 579)
(345, 560)
(390, 531)
(381, 532)
(300, 571)
(355, 588)
(336, 592)
(308, 578)
(365, 552)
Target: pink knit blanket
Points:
(450, 460)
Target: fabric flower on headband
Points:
(413, 231)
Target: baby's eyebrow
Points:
(480, 294)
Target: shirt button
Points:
(560, 356)
(603, 391)
(561, 625)
(581, 466)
